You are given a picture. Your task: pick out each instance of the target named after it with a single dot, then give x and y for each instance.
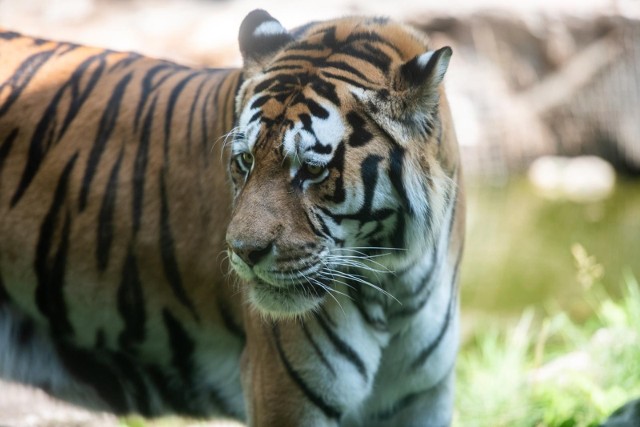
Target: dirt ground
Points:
(22, 406)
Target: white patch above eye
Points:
(250, 129)
(300, 144)
(269, 28)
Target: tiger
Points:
(277, 243)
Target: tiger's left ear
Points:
(419, 77)
(408, 109)
(261, 36)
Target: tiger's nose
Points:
(251, 253)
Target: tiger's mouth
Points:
(286, 290)
(287, 300)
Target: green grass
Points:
(552, 370)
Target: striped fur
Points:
(343, 223)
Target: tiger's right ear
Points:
(261, 36)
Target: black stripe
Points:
(343, 66)
(6, 146)
(50, 268)
(329, 410)
(284, 68)
(204, 119)
(126, 62)
(317, 349)
(398, 406)
(25, 332)
(4, 295)
(359, 135)
(343, 348)
(410, 310)
(78, 94)
(377, 57)
(46, 133)
(346, 80)
(162, 384)
(359, 300)
(21, 78)
(131, 304)
(337, 162)
(129, 371)
(369, 175)
(229, 321)
(105, 216)
(396, 172)
(316, 109)
(9, 35)
(84, 365)
(171, 104)
(326, 90)
(148, 87)
(380, 62)
(100, 341)
(140, 167)
(312, 226)
(65, 48)
(329, 37)
(259, 102)
(372, 37)
(182, 346)
(192, 111)
(426, 352)
(398, 234)
(215, 103)
(167, 250)
(106, 126)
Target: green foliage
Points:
(555, 371)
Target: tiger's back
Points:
(113, 200)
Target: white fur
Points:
(269, 28)
(328, 132)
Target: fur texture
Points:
(343, 223)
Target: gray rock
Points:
(627, 415)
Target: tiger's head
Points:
(340, 153)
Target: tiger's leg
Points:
(415, 381)
(428, 408)
(308, 372)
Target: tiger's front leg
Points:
(307, 372)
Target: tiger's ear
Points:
(261, 36)
(409, 108)
(420, 76)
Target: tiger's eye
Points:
(314, 170)
(247, 158)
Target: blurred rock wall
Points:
(552, 85)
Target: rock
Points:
(626, 416)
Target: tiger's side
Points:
(113, 205)
(343, 220)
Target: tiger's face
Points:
(336, 156)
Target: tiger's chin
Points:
(285, 301)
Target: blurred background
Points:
(546, 101)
